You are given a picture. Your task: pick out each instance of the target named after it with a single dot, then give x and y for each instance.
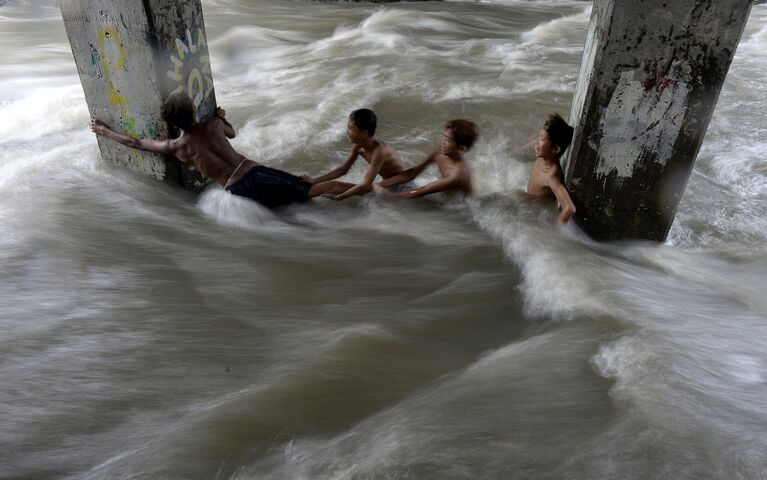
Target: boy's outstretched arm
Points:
(156, 146)
(367, 183)
(409, 174)
(566, 205)
(441, 185)
(338, 171)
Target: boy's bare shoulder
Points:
(463, 168)
(386, 150)
(555, 174)
(546, 170)
(458, 162)
(543, 178)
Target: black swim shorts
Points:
(271, 187)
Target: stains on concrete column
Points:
(651, 74)
(130, 55)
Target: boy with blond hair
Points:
(455, 175)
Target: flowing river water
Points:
(146, 333)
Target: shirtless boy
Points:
(382, 159)
(458, 138)
(205, 146)
(546, 177)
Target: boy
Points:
(458, 138)
(382, 159)
(546, 177)
(205, 146)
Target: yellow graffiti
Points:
(115, 97)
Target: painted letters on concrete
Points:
(190, 56)
(125, 54)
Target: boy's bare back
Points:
(206, 147)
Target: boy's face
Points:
(543, 146)
(355, 135)
(447, 145)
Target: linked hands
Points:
(377, 188)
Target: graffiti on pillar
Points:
(113, 58)
(110, 60)
(191, 67)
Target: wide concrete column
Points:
(130, 55)
(650, 78)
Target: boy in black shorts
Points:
(205, 146)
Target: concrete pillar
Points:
(130, 55)
(650, 78)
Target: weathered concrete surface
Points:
(650, 78)
(130, 55)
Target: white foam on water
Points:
(754, 46)
(43, 113)
(746, 369)
(374, 37)
(228, 209)
(26, 168)
(533, 61)
(472, 91)
(267, 38)
(558, 32)
(389, 18)
(561, 278)
(624, 360)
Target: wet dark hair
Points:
(364, 119)
(560, 133)
(465, 132)
(178, 110)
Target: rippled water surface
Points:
(149, 334)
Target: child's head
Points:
(361, 125)
(460, 135)
(554, 138)
(179, 110)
